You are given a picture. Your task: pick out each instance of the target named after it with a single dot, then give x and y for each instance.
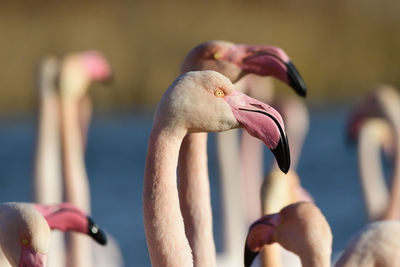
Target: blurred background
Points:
(341, 48)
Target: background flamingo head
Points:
(383, 101)
(79, 70)
(25, 235)
(300, 228)
(236, 60)
(97, 65)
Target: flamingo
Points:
(25, 230)
(377, 244)
(383, 102)
(197, 101)
(303, 229)
(77, 72)
(234, 61)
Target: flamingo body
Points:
(196, 102)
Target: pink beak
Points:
(263, 122)
(66, 217)
(31, 258)
(266, 61)
(257, 237)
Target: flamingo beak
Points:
(30, 257)
(96, 232)
(267, 61)
(263, 122)
(67, 217)
(260, 233)
(295, 80)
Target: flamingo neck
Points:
(76, 181)
(372, 179)
(391, 112)
(195, 200)
(393, 211)
(165, 232)
(271, 256)
(47, 170)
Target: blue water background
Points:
(115, 160)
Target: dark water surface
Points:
(115, 161)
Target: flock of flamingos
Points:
(223, 86)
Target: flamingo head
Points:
(206, 101)
(48, 74)
(382, 102)
(79, 70)
(97, 66)
(300, 228)
(237, 60)
(25, 235)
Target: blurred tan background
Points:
(340, 47)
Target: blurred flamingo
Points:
(303, 229)
(383, 102)
(299, 227)
(377, 244)
(73, 75)
(234, 61)
(195, 102)
(77, 72)
(25, 230)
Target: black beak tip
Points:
(249, 256)
(282, 154)
(96, 233)
(295, 80)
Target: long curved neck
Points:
(372, 179)
(165, 232)
(47, 181)
(76, 181)
(393, 210)
(390, 103)
(76, 184)
(195, 199)
(47, 176)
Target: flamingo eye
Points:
(219, 93)
(217, 55)
(25, 242)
